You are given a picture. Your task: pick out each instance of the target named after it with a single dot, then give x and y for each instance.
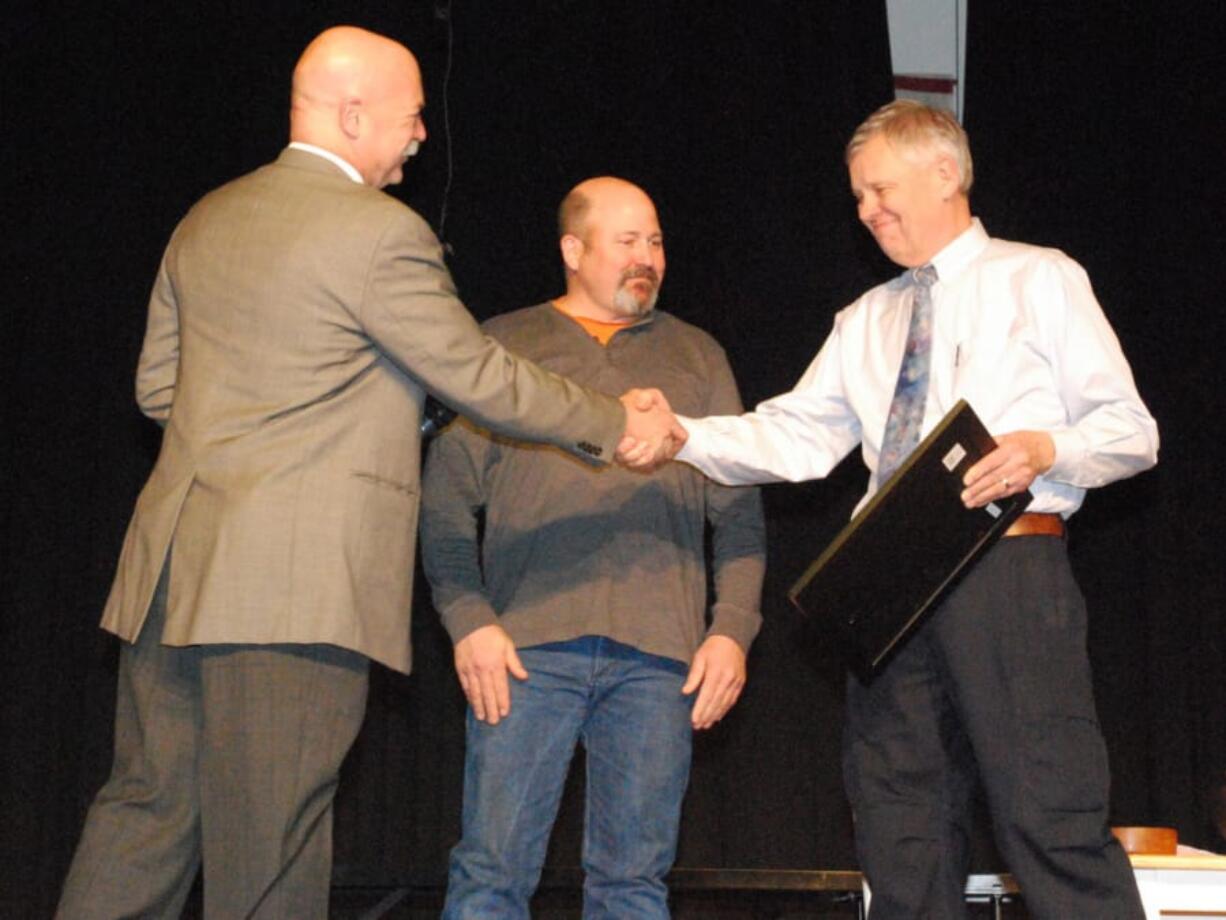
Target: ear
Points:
(572, 249)
(349, 118)
(946, 171)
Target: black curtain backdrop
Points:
(1090, 124)
(1097, 129)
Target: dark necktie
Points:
(902, 427)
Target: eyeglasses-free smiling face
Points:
(395, 129)
(908, 200)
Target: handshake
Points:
(653, 435)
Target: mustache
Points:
(640, 271)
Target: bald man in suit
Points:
(297, 320)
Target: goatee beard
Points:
(627, 303)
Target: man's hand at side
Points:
(482, 660)
(719, 669)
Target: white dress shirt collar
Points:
(349, 169)
(957, 255)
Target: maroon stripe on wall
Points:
(920, 84)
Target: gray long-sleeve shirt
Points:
(568, 550)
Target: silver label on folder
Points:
(993, 509)
(954, 457)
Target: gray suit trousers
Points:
(227, 754)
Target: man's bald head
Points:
(613, 249)
(359, 95)
(606, 191)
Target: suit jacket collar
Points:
(311, 162)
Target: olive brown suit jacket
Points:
(296, 322)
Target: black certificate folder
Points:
(896, 558)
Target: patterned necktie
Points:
(902, 427)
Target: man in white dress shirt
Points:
(996, 686)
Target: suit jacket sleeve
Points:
(158, 369)
(411, 311)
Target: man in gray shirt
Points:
(589, 588)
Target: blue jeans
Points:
(627, 708)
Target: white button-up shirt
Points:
(1017, 333)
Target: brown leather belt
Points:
(1032, 523)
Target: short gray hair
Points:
(914, 127)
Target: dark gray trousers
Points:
(996, 686)
(226, 754)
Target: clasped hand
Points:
(653, 435)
